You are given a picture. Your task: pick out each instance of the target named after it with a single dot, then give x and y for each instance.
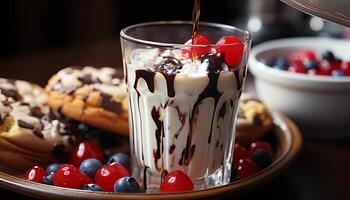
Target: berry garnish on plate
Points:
(127, 185)
(48, 180)
(197, 51)
(262, 158)
(90, 167)
(246, 168)
(109, 174)
(260, 145)
(120, 158)
(232, 48)
(176, 181)
(85, 179)
(92, 187)
(68, 176)
(239, 152)
(53, 168)
(35, 174)
(85, 150)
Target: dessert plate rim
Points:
(290, 136)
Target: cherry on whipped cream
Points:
(232, 48)
(176, 181)
(197, 51)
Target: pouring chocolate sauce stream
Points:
(195, 19)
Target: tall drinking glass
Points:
(183, 100)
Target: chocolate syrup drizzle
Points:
(159, 132)
(169, 69)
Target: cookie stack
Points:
(39, 126)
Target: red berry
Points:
(246, 168)
(232, 48)
(325, 69)
(197, 51)
(309, 54)
(85, 150)
(335, 65)
(107, 175)
(68, 176)
(239, 152)
(260, 145)
(35, 174)
(346, 68)
(297, 69)
(176, 181)
(85, 179)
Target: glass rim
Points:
(123, 34)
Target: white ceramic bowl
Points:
(319, 104)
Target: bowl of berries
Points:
(308, 79)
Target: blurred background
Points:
(43, 36)
(40, 25)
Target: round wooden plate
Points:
(286, 140)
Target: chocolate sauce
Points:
(222, 111)
(169, 68)
(158, 134)
(145, 177)
(1, 121)
(182, 118)
(171, 149)
(238, 80)
(148, 76)
(195, 21)
(109, 104)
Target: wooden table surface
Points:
(322, 170)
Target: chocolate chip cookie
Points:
(28, 135)
(94, 96)
(254, 120)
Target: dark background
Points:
(40, 25)
(35, 25)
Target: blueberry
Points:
(90, 166)
(120, 158)
(268, 62)
(328, 55)
(127, 185)
(281, 63)
(53, 168)
(262, 158)
(92, 187)
(48, 180)
(233, 174)
(338, 73)
(310, 64)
